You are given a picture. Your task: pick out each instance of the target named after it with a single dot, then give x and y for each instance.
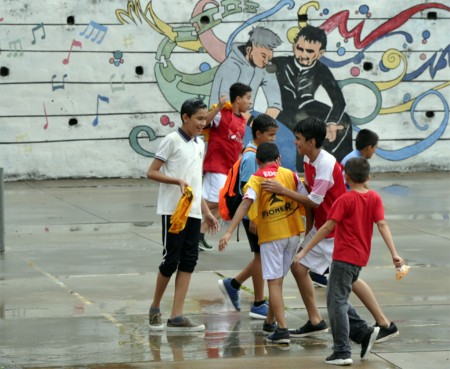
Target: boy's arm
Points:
(241, 211)
(319, 236)
(155, 174)
(385, 232)
(211, 220)
(273, 186)
(309, 215)
(213, 112)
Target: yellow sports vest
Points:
(276, 216)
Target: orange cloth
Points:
(181, 213)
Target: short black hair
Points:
(313, 34)
(312, 128)
(191, 106)
(238, 89)
(263, 123)
(364, 138)
(267, 152)
(358, 169)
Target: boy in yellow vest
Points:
(279, 225)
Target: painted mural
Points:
(92, 97)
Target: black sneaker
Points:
(319, 280)
(280, 336)
(368, 341)
(386, 333)
(336, 359)
(204, 246)
(269, 328)
(309, 329)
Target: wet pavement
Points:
(80, 264)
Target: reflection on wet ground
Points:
(77, 276)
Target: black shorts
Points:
(180, 249)
(252, 238)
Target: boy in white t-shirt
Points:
(178, 163)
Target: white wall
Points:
(40, 94)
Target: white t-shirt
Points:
(183, 158)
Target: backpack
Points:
(229, 195)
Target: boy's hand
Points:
(253, 228)
(299, 256)
(183, 184)
(223, 242)
(213, 223)
(273, 186)
(332, 129)
(398, 261)
(222, 101)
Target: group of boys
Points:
(338, 227)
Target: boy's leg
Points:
(365, 294)
(276, 301)
(306, 288)
(272, 267)
(255, 270)
(203, 245)
(338, 292)
(317, 259)
(187, 262)
(252, 269)
(160, 288)
(182, 281)
(388, 329)
(171, 256)
(257, 279)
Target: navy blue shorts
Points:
(252, 238)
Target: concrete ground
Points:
(81, 258)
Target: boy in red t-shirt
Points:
(227, 122)
(351, 217)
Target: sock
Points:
(235, 284)
(202, 236)
(176, 319)
(259, 303)
(154, 310)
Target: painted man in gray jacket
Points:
(247, 63)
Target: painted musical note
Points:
(99, 98)
(61, 85)
(114, 89)
(74, 43)
(101, 29)
(17, 46)
(46, 117)
(39, 26)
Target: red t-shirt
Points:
(224, 143)
(355, 214)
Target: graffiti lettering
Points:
(198, 20)
(185, 33)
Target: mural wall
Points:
(90, 87)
